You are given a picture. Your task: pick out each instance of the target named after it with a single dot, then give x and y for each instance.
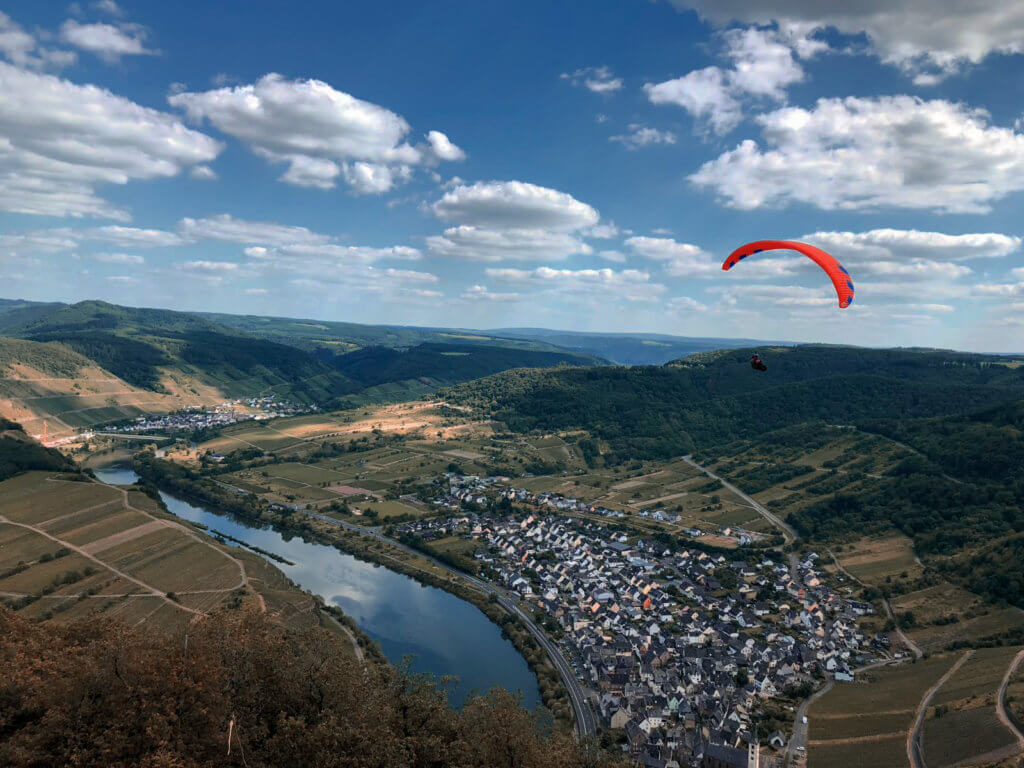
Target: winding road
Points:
(586, 724)
(788, 532)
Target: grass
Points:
(884, 753)
(872, 559)
(453, 545)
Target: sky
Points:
(486, 165)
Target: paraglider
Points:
(837, 272)
(756, 364)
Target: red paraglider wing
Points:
(840, 277)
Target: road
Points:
(914, 752)
(914, 648)
(788, 531)
(586, 725)
(1004, 717)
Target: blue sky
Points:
(485, 165)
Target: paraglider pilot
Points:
(756, 364)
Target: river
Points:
(443, 635)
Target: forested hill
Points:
(710, 398)
(445, 363)
(178, 352)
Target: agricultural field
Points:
(944, 614)
(873, 559)
(962, 722)
(71, 548)
(865, 723)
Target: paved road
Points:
(586, 724)
(787, 530)
(799, 737)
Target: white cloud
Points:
(890, 244)
(514, 205)
(319, 131)
(123, 280)
(616, 257)
(999, 289)
(24, 50)
(603, 231)
(680, 259)
(643, 136)
(917, 269)
(442, 147)
(868, 153)
(256, 291)
(334, 254)
(203, 172)
(130, 236)
(705, 94)
(43, 241)
(119, 258)
(108, 6)
(685, 304)
(58, 140)
(596, 79)
(476, 244)
(927, 38)
(210, 267)
(226, 228)
(763, 65)
(583, 284)
(107, 41)
(374, 178)
(480, 293)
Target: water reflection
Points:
(444, 636)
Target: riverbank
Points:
(185, 483)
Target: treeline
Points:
(19, 453)
(658, 413)
(96, 692)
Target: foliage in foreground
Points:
(99, 693)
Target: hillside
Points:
(658, 412)
(19, 453)
(628, 348)
(93, 362)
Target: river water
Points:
(443, 635)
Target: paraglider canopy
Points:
(840, 277)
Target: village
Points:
(679, 649)
(205, 417)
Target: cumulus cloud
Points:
(204, 172)
(679, 259)
(480, 293)
(226, 228)
(320, 132)
(514, 205)
(332, 253)
(108, 41)
(891, 244)
(477, 244)
(43, 241)
(24, 49)
(119, 258)
(513, 220)
(595, 79)
(927, 39)
(869, 153)
(640, 136)
(616, 257)
(130, 236)
(123, 280)
(210, 267)
(763, 64)
(679, 304)
(59, 140)
(583, 284)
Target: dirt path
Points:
(1001, 712)
(352, 638)
(150, 589)
(915, 753)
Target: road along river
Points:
(443, 635)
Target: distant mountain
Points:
(94, 362)
(628, 348)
